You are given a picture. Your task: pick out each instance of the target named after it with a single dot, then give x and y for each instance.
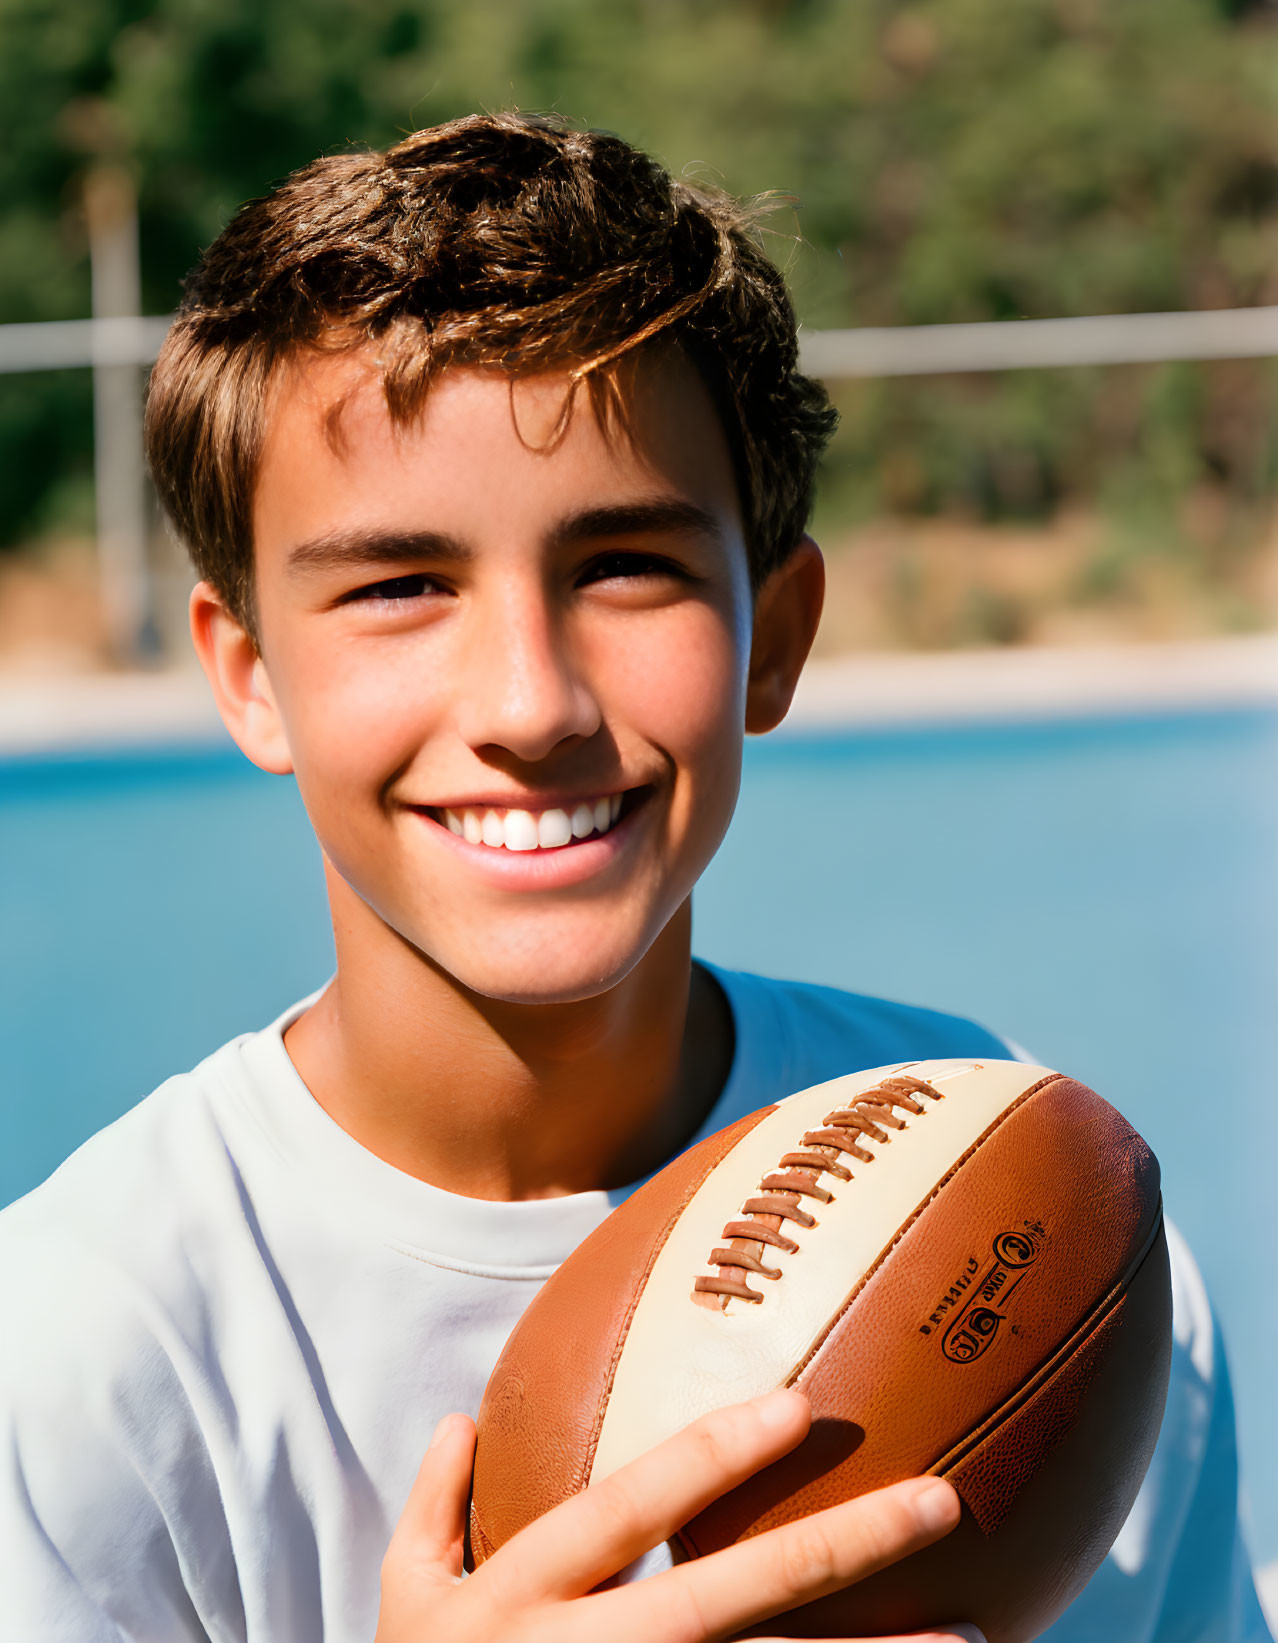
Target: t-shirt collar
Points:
(523, 1239)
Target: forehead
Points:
(484, 454)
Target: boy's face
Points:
(454, 620)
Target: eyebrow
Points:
(346, 550)
(660, 516)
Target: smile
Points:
(518, 830)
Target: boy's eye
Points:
(394, 588)
(609, 565)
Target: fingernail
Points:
(775, 1408)
(935, 1506)
(439, 1434)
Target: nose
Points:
(520, 690)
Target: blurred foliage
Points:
(938, 161)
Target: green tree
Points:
(944, 160)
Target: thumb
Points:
(431, 1532)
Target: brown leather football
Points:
(961, 1263)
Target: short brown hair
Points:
(508, 240)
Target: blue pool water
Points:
(1105, 891)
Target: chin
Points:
(544, 976)
(541, 986)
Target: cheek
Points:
(354, 720)
(683, 686)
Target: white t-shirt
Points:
(230, 1330)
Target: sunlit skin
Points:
(462, 613)
(453, 614)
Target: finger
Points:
(717, 1596)
(432, 1527)
(586, 1539)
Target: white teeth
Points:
(553, 829)
(521, 830)
(529, 830)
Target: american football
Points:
(962, 1265)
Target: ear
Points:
(787, 609)
(230, 657)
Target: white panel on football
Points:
(681, 1360)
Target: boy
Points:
(495, 463)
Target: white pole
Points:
(896, 350)
(1019, 344)
(119, 469)
(70, 344)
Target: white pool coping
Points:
(1009, 685)
(106, 710)
(101, 711)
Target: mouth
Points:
(554, 828)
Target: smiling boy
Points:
(495, 462)
(511, 684)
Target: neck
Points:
(492, 1099)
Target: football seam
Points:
(1026, 1095)
(775, 1189)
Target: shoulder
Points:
(813, 1032)
(94, 1412)
(98, 1264)
(1179, 1567)
(113, 1272)
(117, 1276)
(1197, 1444)
(125, 1197)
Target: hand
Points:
(539, 1587)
